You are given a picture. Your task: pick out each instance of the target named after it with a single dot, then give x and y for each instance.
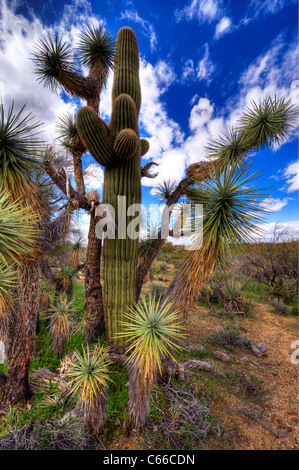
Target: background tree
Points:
(19, 150)
(57, 69)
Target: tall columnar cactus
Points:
(118, 147)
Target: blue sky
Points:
(201, 62)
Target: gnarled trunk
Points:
(22, 335)
(93, 288)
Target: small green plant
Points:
(60, 314)
(156, 289)
(76, 249)
(230, 336)
(153, 332)
(66, 275)
(89, 376)
(45, 292)
(163, 267)
(252, 387)
(280, 308)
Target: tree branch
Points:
(60, 181)
(144, 170)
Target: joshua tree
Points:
(18, 160)
(75, 252)
(231, 212)
(153, 333)
(65, 276)
(88, 376)
(230, 208)
(56, 68)
(59, 315)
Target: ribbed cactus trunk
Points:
(120, 255)
(118, 147)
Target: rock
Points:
(194, 347)
(223, 356)
(259, 349)
(2, 352)
(199, 365)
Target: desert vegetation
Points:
(129, 338)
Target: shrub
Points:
(163, 267)
(279, 307)
(59, 315)
(156, 290)
(89, 376)
(152, 332)
(230, 336)
(286, 289)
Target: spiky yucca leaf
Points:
(54, 65)
(66, 276)
(96, 48)
(68, 134)
(8, 282)
(154, 332)
(17, 229)
(232, 146)
(232, 210)
(60, 314)
(231, 216)
(75, 252)
(89, 374)
(88, 377)
(269, 122)
(164, 190)
(18, 144)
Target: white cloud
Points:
(147, 27)
(18, 80)
(292, 175)
(269, 6)
(93, 177)
(188, 70)
(203, 71)
(223, 27)
(205, 67)
(267, 229)
(202, 10)
(275, 204)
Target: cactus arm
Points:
(125, 144)
(94, 133)
(145, 146)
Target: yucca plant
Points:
(17, 229)
(76, 249)
(60, 314)
(231, 216)
(153, 333)
(70, 140)
(86, 325)
(66, 275)
(19, 149)
(88, 377)
(8, 284)
(96, 51)
(164, 190)
(45, 292)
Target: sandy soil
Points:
(276, 370)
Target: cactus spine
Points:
(118, 147)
